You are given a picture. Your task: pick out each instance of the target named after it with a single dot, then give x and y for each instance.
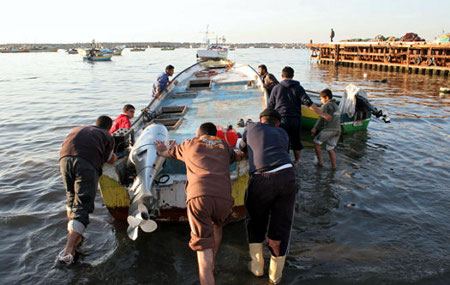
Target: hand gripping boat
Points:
(142, 187)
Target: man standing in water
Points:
(271, 193)
(162, 81)
(287, 98)
(269, 80)
(208, 192)
(81, 158)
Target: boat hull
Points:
(215, 91)
(106, 57)
(348, 125)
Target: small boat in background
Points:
(138, 49)
(212, 52)
(14, 50)
(167, 48)
(72, 51)
(354, 106)
(105, 57)
(44, 49)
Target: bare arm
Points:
(319, 112)
(112, 158)
(162, 149)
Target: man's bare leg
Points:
(318, 154)
(297, 156)
(217, 242)
(332, 158)
(73, 239)
(205, 260)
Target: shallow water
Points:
(381, 217)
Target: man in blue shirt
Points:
(271, 193)
(162, 81)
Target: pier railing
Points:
(422, 58)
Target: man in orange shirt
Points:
(123, 120)
(208, 192)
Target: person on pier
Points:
(331, 35)
(287, 98)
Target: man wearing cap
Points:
(271, 192)
(287, 98)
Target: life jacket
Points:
(229, 135)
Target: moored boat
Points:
(105, 57)
(355, 115)
(138, 49)
(14, 50)
(220, 92)
(44, 49)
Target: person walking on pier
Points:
(332, 35)
(271, 193)
(287, 98)
(269, 80)
(162, 81)
(329, 131)
(82, 155)
(208, 192)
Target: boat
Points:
(44, 49)
(217, 91)
(14, 50)
(138, 49)
(104, 57)
(214, 52)
(72, 51)
(356, 111)
(167, 48)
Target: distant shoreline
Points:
(153, 45)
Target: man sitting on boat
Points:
(271, 192)
(82, 155)
(329, 131)
(123, 120)
(287, 98)
(162, 81)
(269, 80)
(208, 192)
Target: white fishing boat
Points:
(212, 51)
(142, 187)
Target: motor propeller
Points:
(140, 220)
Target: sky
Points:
(239, 21)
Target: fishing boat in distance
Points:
(14, 50)
(354, 106)
(167, 48)
(44, 49)
(137, 49)
(212, 51)
(142, 187)
(103, 57)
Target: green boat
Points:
(357, 117)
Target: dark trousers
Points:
(270, 201)
(293, 127)
(80, 179)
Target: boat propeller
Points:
(142, 220)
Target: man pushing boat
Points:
(208, 192)
(82, 155)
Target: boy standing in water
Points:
(329, 130)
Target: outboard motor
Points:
(148, 163)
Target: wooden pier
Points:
(424, 58)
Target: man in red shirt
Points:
(208, 192)
(123, 120)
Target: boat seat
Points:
(169, 123)
(174, 110)
(185, 94)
